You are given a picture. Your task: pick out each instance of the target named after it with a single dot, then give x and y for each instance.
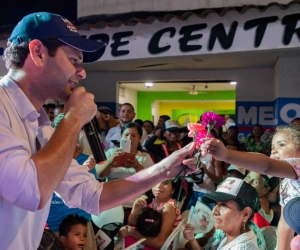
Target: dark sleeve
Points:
(149, 144)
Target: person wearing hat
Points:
(171, 134)
(106, 120)
(44, 58)
(264, 185)
(235, 171)
(292, 217)
(236, 202)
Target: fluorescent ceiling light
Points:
(148, 84)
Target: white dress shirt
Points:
(21, 224)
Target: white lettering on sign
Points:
(266, 115)
(288, 107)
(247, 117)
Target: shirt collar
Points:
(22, 104)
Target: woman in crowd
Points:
(149, 127)
(231, 137)
(171, 133)
(264, 185)
(253, 142)
(284, 162)
(236, 202)
(119, 165)
(165, 195)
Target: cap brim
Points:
(291, 214)
(173, 129)
(217, 196)
(92, 50)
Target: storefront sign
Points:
(273, 29)
(253, 30)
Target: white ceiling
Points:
(182, 86)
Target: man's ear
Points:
(107, 116)
(37, 52)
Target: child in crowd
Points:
(148, 224)
(73, 232)
(284, 162)
(165, 194)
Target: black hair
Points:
(241, 206)
(50, 241)
(139, 122)
(165, 117)
(295, 119)
(235, 138)
(67, 224)
(179, 192)
(151, 123)
(149, 222)
(50, 106)
(132, 125)
(138, 128)
(256, 125)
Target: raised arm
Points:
(257, 162)
(132, 186)
(53, 160)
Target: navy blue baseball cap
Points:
(43, 24)
(291, 214)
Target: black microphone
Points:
(91, 130)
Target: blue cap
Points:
(42, 24)
(291, 214)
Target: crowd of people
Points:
(50, 183)
(254, 207)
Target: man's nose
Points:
(81, 73)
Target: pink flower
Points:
(202, 134)
(208, 117)
(194, 127)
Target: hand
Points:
(77, 152)
(173, 163)
(124, 231)
(214, 147)
(90, 163)
(133, 163)
(188, 232)
(157, 132)
(138, 204)
(81, 106)
(115, 153)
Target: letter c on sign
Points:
(288, 107)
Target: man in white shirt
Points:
(44, 58)
(126, 114)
